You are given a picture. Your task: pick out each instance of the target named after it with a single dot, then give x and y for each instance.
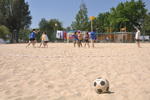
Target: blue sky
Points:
(65, 10)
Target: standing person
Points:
(46, 39)
(92, 37)
(80, 39)
(137, 37)
(75, 39)
(32, 38)
(87, 37)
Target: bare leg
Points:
(33, 43)
(46, 45)
(40, 45)
(74, 43)
(138, 43)
(88, 44)
(85, 45)
(28, 44)
(80, 44)
(92, 41)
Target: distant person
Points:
(137, 37)
(75, 39)
(46, 39)
(92, 37)
(32, 38)
(107, 39)
(80, 39)
(86, 38)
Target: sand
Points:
(62, 72)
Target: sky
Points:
(65, 10)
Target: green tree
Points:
(15, 15)
(103, 21)
(128, 14)
(24, 35)
(82, 20)
(50, 27)
(43, 24)
(4, 32)
(68, 28)
(147, 24)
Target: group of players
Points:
(32, 39)
(78, 38)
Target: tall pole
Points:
(92, 18)
(91, 25)
(55, 31)
(97, 34)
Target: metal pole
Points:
(96, 34)
(91, 25)
(55, 31)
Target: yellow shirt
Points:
(80, 36)
(42, 38)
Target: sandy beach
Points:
(62, 72)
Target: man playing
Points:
(32, 38)
(92, 37)
(137, 37)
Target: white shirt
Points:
(137, 35)
(45, 37)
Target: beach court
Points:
(62, 72)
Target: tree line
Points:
(129, 14)
(15, 20)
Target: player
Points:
(92, 37)
(32, 38)
(137, 37)
(87, 37)
(75, 39)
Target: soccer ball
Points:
(101, 85)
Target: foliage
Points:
(68, 28)
(147, 24)
(15, 15)
(50, 27)
(4, 32)
(82, 21)
(103, 21)
(43, 24)
(128, 14)
(24, 35)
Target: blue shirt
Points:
(92, 35)
(75, 37)
(32, 35)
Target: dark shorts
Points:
(32, 39)
(80, 41)
(75, 41)
(137, 40)
(87, 41)
(45, 41)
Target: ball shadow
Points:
(109, 92)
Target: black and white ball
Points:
(101, 85)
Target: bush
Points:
(4, 32)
